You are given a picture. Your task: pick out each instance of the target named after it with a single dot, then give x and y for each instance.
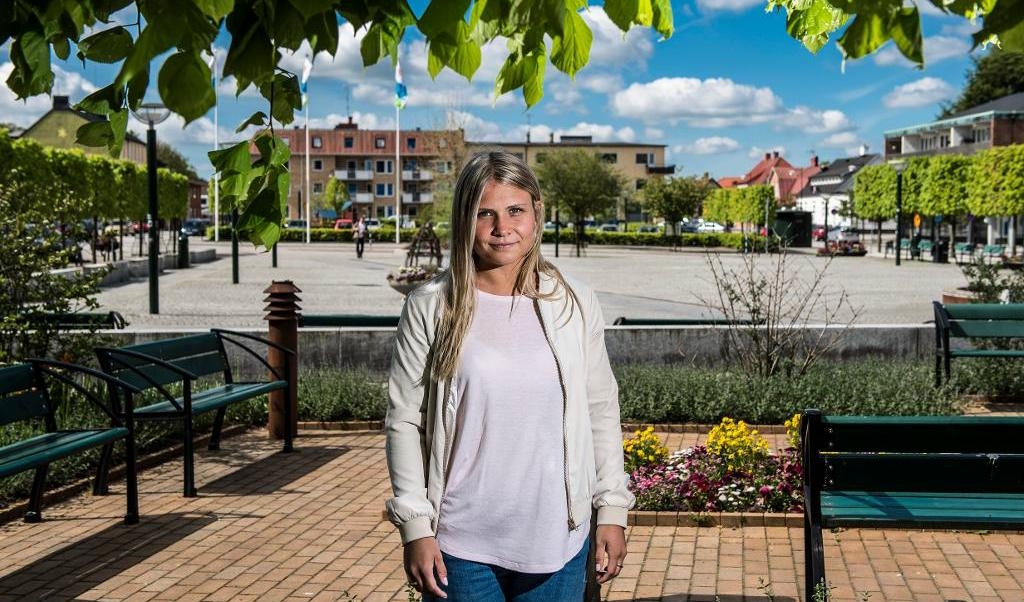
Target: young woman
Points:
(503, 432)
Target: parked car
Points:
(844, 234)
(648, 228)
(195, 227)
(688, 226)
(295, 223)
(710, 227)
(342, 224)
(609, 228)
(372, 223)
(818, 233)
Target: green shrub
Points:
(702, 395)
(988, 376)
(354, 394)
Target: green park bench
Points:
(979, 322)
(80, 320)
(25, 397)
(346, 320)
(924, 246)
(921, 472)
(963, 252)
(190, 361)
(991, 252)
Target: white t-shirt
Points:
(505, 499)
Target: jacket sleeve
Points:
(405, 426)
(612, 497)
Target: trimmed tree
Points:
(579, 184)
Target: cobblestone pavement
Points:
(270, 526)
(635, 282)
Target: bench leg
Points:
(190, 475)
(35, 502)
(101, 485)
(131, 516)
(945, 361)
(218, 423)
(814, 559)
(938, 371)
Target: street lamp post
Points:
(899, 166)
(152, 113)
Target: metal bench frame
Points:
(978, 321)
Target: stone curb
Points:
(646, 518)
(17, 509)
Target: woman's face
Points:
(506, 224)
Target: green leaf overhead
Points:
(108, 46)
(184, 85)
(570, 51)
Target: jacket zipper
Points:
(565, 405)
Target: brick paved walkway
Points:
(269, 526)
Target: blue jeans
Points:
(470, 581)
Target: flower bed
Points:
(734, 472)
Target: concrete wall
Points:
(696, 345)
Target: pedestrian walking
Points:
(360, 236)
(503, 431)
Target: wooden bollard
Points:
(283, 328)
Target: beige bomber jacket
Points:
(421, 413)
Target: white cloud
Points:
(842, 140)
(756, 152)
(923, 92)
(711, 102)
(816, 122)
(475, 127)
(712, 145)
(726, 5)
(611, 47)
(602, 83)
(600, 132)
(26, 112)
(936, 49)
(198, 133)
(654, 133)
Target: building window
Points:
(318, 164)
(410, 143)
(385, 190)
(318, 187)
(285, 139)
(351, 187)
(384, 166)
(318, 142)
(982, 135)
(379, 142)
(349, 141)
(609, 157)
(644, 158)
(944, 141)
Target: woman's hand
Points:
(422, 558)
(611, 551)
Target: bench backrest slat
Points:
(924, 434)
(19, 397)
(199, 354)
(1006, 329)
(952, 473)
(985, 311)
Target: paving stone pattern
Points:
(307, 526)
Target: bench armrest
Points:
(226, 335)
(55, 369)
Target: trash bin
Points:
(183, 258)
(940, 252)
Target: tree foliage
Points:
(740, 205)
(996, 182)
(580, 184)
(944, 186)
(874, 193)
(335, 195)
(674, 198)
(869, 24)
(993, 75)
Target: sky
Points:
(727, 87)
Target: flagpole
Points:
(216, 146)
(398, 173)
(309, 191)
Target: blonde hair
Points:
(458, 301)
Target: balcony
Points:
(417, 197)
(663, 169)
(959, 149)
(363, 197)
(353, 174)
(417, 174)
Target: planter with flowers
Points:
(734, 472)
(413, 274)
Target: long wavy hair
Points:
(459, 297)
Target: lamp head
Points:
(898, 164)
(151, 113)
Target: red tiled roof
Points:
(729, 181)
(759, 173)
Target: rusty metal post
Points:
(283, 317)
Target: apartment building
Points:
(996, 123)
(364, 160)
